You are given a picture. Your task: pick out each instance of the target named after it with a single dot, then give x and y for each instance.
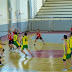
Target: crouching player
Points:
(38, 36)
(1, 49)
(16, 43)
(67, 53)
(24, 41)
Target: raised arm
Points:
(20, 39)
(2, 43)
(12, 28)
(18, 30)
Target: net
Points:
(49, 24)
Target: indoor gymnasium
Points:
(35, 35)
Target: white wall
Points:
(13, 5)
(3, 12)
(36, 5)
(24, 9)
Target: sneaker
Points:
(64, 69)
(34, 44)
(26, 55)
(13, 49)
(71, 68)
(32, 55)
(43, 43)
(2, 56)
(10, 49)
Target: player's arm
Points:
(35, 36)
(18, 30)
(2, 43)
(7, 37)
(27, 38)
(66, 47)
(12, 28)
(62, 39)
(40, 34)
(20, 39)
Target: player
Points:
(38, 36)
(24, 41)
(15, 39)
(9, 36)
(13, 32)
(71, 29)
(1, 49)
(1, 62)
(70, 41)
(67, 53)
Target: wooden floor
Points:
(46, 58)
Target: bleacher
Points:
(56, 9)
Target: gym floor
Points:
(46, 58)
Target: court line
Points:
(47, 53)
(40, 61)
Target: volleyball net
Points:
(31, 25)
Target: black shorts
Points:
(3, 50)
(39, 38)
(11, 42)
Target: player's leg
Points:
(22, 50)
(26, 46)
(42, 40)
(10, 45)
(35, 40)
(69, 59)
(2, 51)
(65, 65)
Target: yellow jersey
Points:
(15, 37)
(68, 50)
(24, 40)
(70, 41)
(0, 45)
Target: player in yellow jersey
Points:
(70, 41)
(1, 49)
(67, 53)
(15, 39)
(24, 41)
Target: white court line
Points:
(47, 53)
(40, 61)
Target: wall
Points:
(55, 25)
(4, 13)
(24, 15)
(36, 5)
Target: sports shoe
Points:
(10, 49)
(13, 49)
(64, 69)
(34, 44)
(71, 68)
(43, 43)
(32, 55)
(26, 55)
